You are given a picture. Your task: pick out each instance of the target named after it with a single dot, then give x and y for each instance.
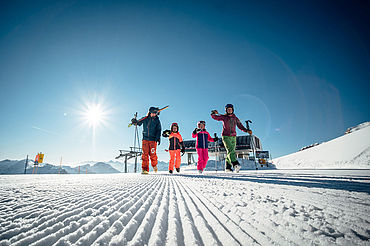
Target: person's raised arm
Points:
(215, 115)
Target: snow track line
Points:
(292, 218)
(190, 232)
(44, 223)
(237, 235)
(204, 226)
(142, 235)
(39, 223)
(137, 213)
(63, 218)
(82, 234)
(264, 223)
(160, 227)
(136, 210)
(237, 217)
(174, 220)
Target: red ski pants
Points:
(202, 158)
(175, 158)
(149, 150)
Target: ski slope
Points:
(351, 151)
(271, 207)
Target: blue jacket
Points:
(151, 128)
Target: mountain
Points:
(46, 169)
(12, 166)
(352, 151)
(102, 167)
(17, 167)
(118, 165)
(78, 170)
(98, 167)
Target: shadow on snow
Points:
(335, 183)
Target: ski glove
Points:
(215, 139)
(134, 121)
(250, 132)
(166, 133)
(196, 130)
(214, 112)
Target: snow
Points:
(312, 203)
(265, 207)
(351, 151)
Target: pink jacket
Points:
(202, 139)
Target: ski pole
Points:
(252, 143)
(216, 152)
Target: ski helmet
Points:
(174, 124)
(153, 110)
(229, 106)
(201, 122)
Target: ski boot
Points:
(144, 172)
(236, 166)
(178, 169)
(200, 171)
(170, 171)
(228, 167)
(155, 168)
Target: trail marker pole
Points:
(60, 165)
(25, 166)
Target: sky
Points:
(299, 70)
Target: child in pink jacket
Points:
(202, 144)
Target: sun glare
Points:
(94, 115)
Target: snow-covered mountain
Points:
(98, 167)
(351, 151)
(12, 166)
(118, 165)
(102, 167)
(17, 167)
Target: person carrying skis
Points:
(230, 121)
(203, 137)
(151, 137)
(176, 146)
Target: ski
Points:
(159, 110)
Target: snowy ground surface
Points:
(271, 207)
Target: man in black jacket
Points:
(151, 137)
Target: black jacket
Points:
(151, 128)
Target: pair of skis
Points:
(158, 111)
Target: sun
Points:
(94, 115)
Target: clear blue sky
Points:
(298, 69)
